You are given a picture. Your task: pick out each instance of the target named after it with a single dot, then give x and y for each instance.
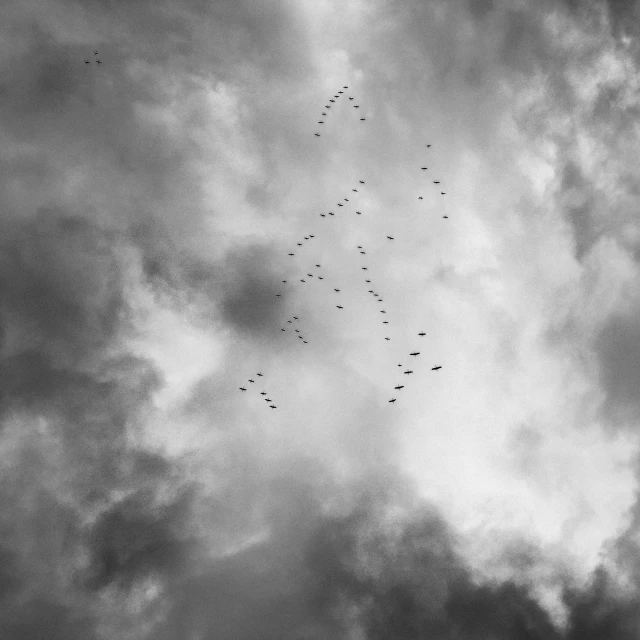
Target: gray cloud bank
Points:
(103, 535)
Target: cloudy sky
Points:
(148, 205)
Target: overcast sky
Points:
(148, 205)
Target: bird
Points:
(251, 380)
(424, 168)
(98, 61)
(408, 372)
(242, 389)
(95, 53)
(361, 181)
(346, 199)
(340, 205)
(278, 295)
(345, 87)
(295, 317)
(302, 280)
(428, 145)
(263, 393)
(367, 280)
(320, 278)
(273, 406)
(292, 254)
(362, 118)
(299, 337)
(375, 294)
(297, 330)
(299, 244)
(442, 193)
(358, 212)
(354, 190)
(289, 321)
(422, 334)
(259, 374)
(323, 113)
(390, 238)
(385, 322)
(392, 400)
(420, 198)
(363, 253)
(336, 289)
(86, 62)
(320, 121)
(318, 266)
(399, 365)
(387, 338)
(436, 368)
(356, 106)
(350, 98)
(316, 134)
(326, 106)
(400, 386)
(436, 182)
(311, 236)
(322, 214)
(305, 342)
(415, 353)
(282, 329)
(331, 100)
(284, 281)
(445, 216)
(383, 311)
(331, 213)
(364, 268)
(359, 246)
(339, 307)
(310, 275)
(340, 92)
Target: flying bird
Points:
(350, 98)
(282, 329)
(400, 386)
(364, 268)
(358, 212)
(428, 145)
(292, 254)
(326, 106)
(98, 61)
(383, 311)
(320, 122)
(340, 205)
(242, 389)
(408, 372)
(386, 322)
(390, 238)
(295, 317)
(86, 62)
(299, 244)
(420, 198)
(331, 213)
(339, 307)
(362, 118)
(422, 334)
(346, 199)
(320, 278)
(442, 193)
(323, 113)
(302, 280)
(424, 168)
(336, 289)
(297, 330)
(392, 400)
(387, 338)
(259, 374)
(436, 368)
(436, 182)
(345, 87)
(356, 106)
(273, 406)
(318, 265)
(284, 281)
(364, 253)
(311, 236)
(354, 190)
(445, 216)
(251, 380)
(322, 214)
(361, 181)
(263, 393)
(316, 134)
(310, 275)
(95, 53)
(278, 295)
(268, 400)
(367, 280)
(289, 321)
(415, 353)
(330, 100)
(340, 92)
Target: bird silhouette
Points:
(392, 400)
(390, 238)
(242, 389)
(339, 307)
(316, 134)
(422, 334)
(436, 368)
(408, 372)
(436, 182)
(400, 386)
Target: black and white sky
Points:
(148, 203)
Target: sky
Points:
(148, 205)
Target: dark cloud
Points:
(618, 351)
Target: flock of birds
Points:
(95, 53)
(293, 321)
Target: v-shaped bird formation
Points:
(311, 271)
